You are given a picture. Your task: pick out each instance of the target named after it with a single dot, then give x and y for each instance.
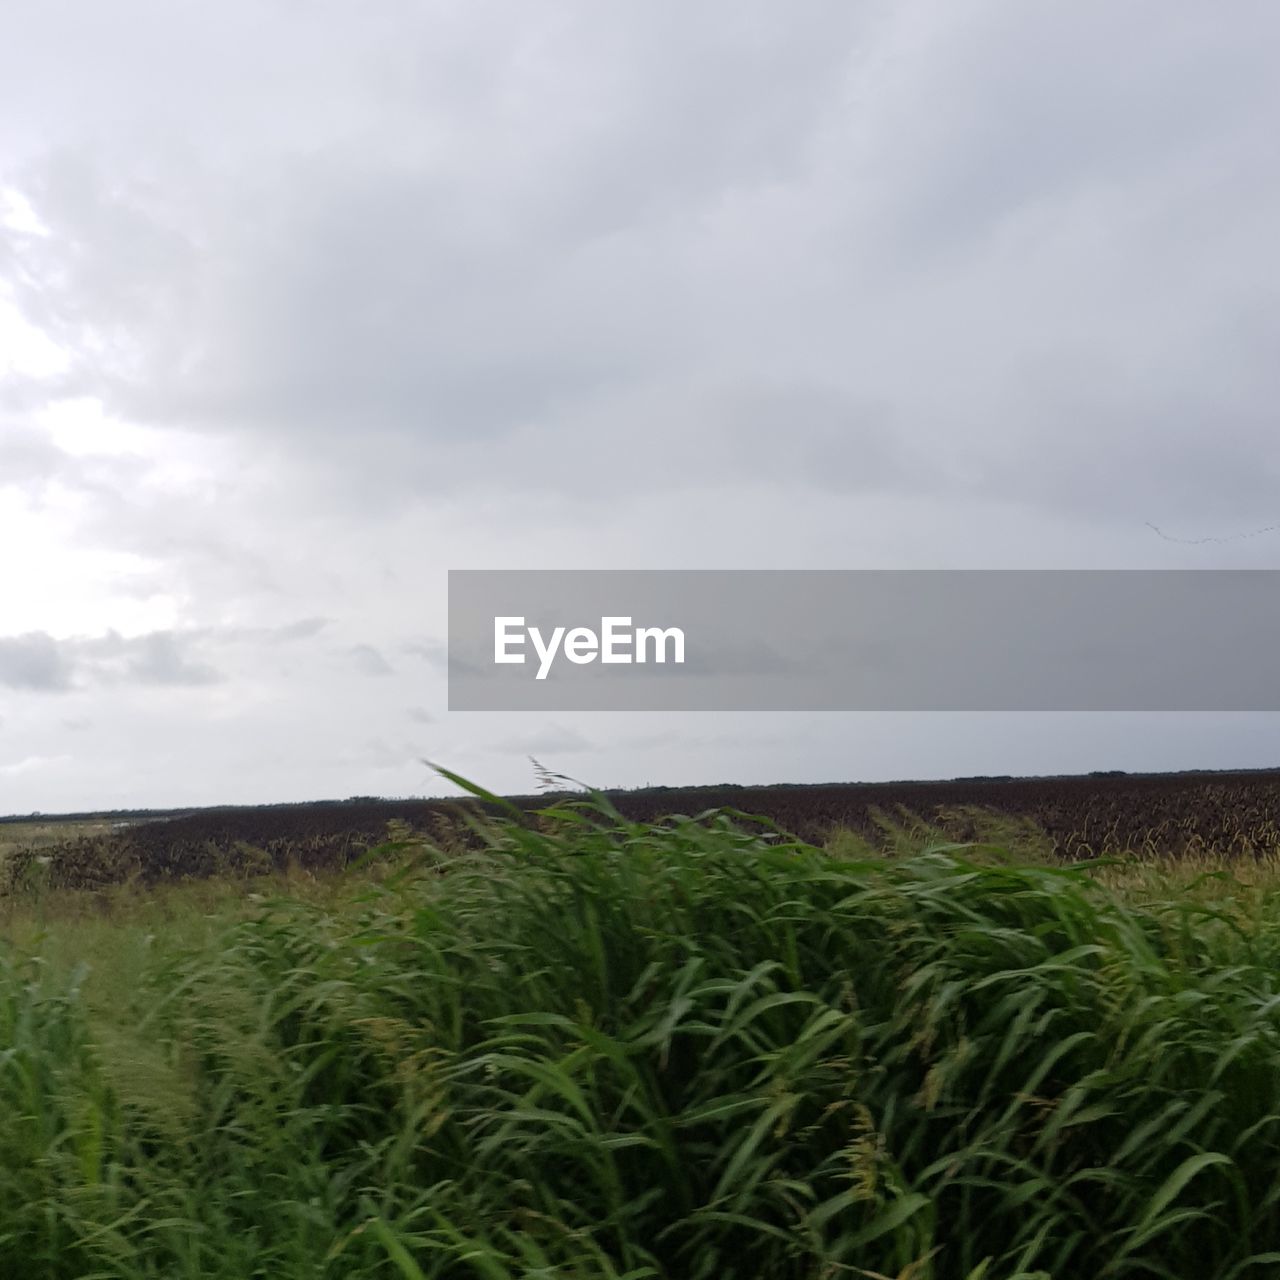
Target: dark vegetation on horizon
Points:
(1232, 815)
(701, 788)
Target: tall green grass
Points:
(691, 1051)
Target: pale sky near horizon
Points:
(301, 307)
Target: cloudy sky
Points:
(302, 306)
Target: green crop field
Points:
(590, 1047)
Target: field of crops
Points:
(602, 1048)
(1228, 816)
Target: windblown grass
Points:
(601, 1049)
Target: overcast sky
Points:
(303, 305)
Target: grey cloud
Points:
(420, 715)
(303, 629)
(159, 660)
(698, 433)
(1020, 131)
(34, 661)
(287, 633)
(40, 662)
(433, 652)
(820, 436)
(368, 661)
(1181, 453)
(789, 263)
(363, 289)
